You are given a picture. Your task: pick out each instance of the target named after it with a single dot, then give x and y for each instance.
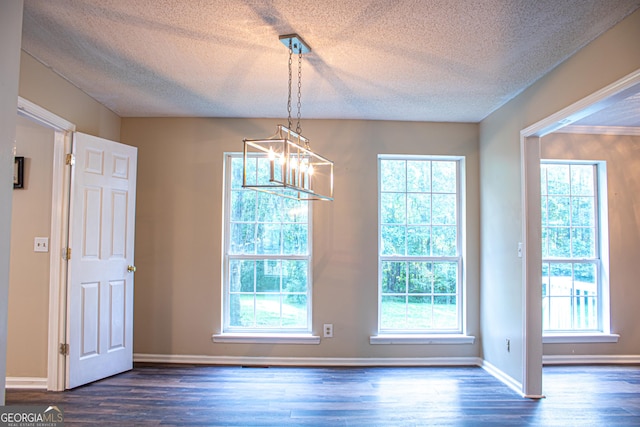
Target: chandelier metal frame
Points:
(284, 164)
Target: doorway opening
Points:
(54, 178)
(531, 207)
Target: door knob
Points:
(131, 269)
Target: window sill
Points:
(421, 339)
(266, 338)
(579, 338)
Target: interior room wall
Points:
(10, 40)
(48, 90)
(179, 232)
(29, 270)
(622, 156)
(500, 178)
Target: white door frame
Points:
(58, 239)
(531, 234)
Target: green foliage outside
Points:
(568, 210)
(419, 313)
(569, 287)
(418, 219)
(266, 311)
(268, 247)
(419, 295)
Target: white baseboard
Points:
(591, 359)
(33, 383)
(308, 361)
(506, 379)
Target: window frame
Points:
(600, 260)
(432, 336)
(278, 333)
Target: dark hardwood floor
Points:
(185, 395)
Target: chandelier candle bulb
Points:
(294, 167)
(272, 159)
(304, 173)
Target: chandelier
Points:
(284, 163)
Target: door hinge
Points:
(66, 254)
(70, 159)
(64, 349)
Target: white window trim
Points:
(256, 335)
(265, 338)
(422, 339)
(602, 225)
(431, 336)
(587, 338)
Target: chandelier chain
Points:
(290, 79)
(298, 127)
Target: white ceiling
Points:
(423, 60)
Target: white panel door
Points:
(101, 238)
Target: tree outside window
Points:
(267, 256)
(419, 244)
(571, 263)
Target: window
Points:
(572, 267)
(267, 257)
(420, 235)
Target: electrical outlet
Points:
(508, 345)
(328, 330)
(41, 244)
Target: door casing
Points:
(63, 131)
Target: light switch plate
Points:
(41, 244)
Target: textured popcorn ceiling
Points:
(425, 60)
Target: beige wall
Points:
(48, 90)
(29, 272)
(10, 39)
(179, 232)
(622, 156)
(607, 59)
